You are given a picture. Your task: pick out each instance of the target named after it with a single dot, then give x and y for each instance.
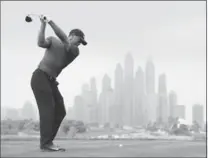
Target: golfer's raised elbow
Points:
(44, 43)
(41, 44)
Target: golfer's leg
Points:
(46, 106)
(42, 90)
(60, 111)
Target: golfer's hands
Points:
(44, 19)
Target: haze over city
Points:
(171, 33)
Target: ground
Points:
(106, 148)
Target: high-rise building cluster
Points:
(133, 100)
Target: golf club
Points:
(28, 18)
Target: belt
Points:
(51, 78)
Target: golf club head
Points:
(28, 18)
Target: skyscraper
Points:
(139, 97)
(105, 100)
(172, 102)
(198, 114)
(150, 77)
(93, 101)
(151, 97)
(118, 95)
(79, 108)
(87, 97)
(163, 109)
(128, 90)
(93, 89)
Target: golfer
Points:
(59, 53)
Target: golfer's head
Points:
(77, 37)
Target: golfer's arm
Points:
(61, 35)
(42, 42)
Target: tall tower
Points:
(105, 100)
(150, 77)
(93, 101)
(151, 97)
(172, 102)
(139, 97)
(128, 90)
(163, 109)
(86, 96)
(79, 108)
(118, 94)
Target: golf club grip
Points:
(44, 17)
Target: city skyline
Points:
(140, 101)
(89, 101)
(148, 71)
(172, 33)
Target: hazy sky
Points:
(173, 33)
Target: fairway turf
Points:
(107, 148)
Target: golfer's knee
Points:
(61, 115)
(62, 110)
(64, 113)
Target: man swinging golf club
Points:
(59, 53)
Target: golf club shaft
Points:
(29, 17)
(36, 15)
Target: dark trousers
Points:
(50, 105)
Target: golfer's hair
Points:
(70, 33)
(77, 32)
